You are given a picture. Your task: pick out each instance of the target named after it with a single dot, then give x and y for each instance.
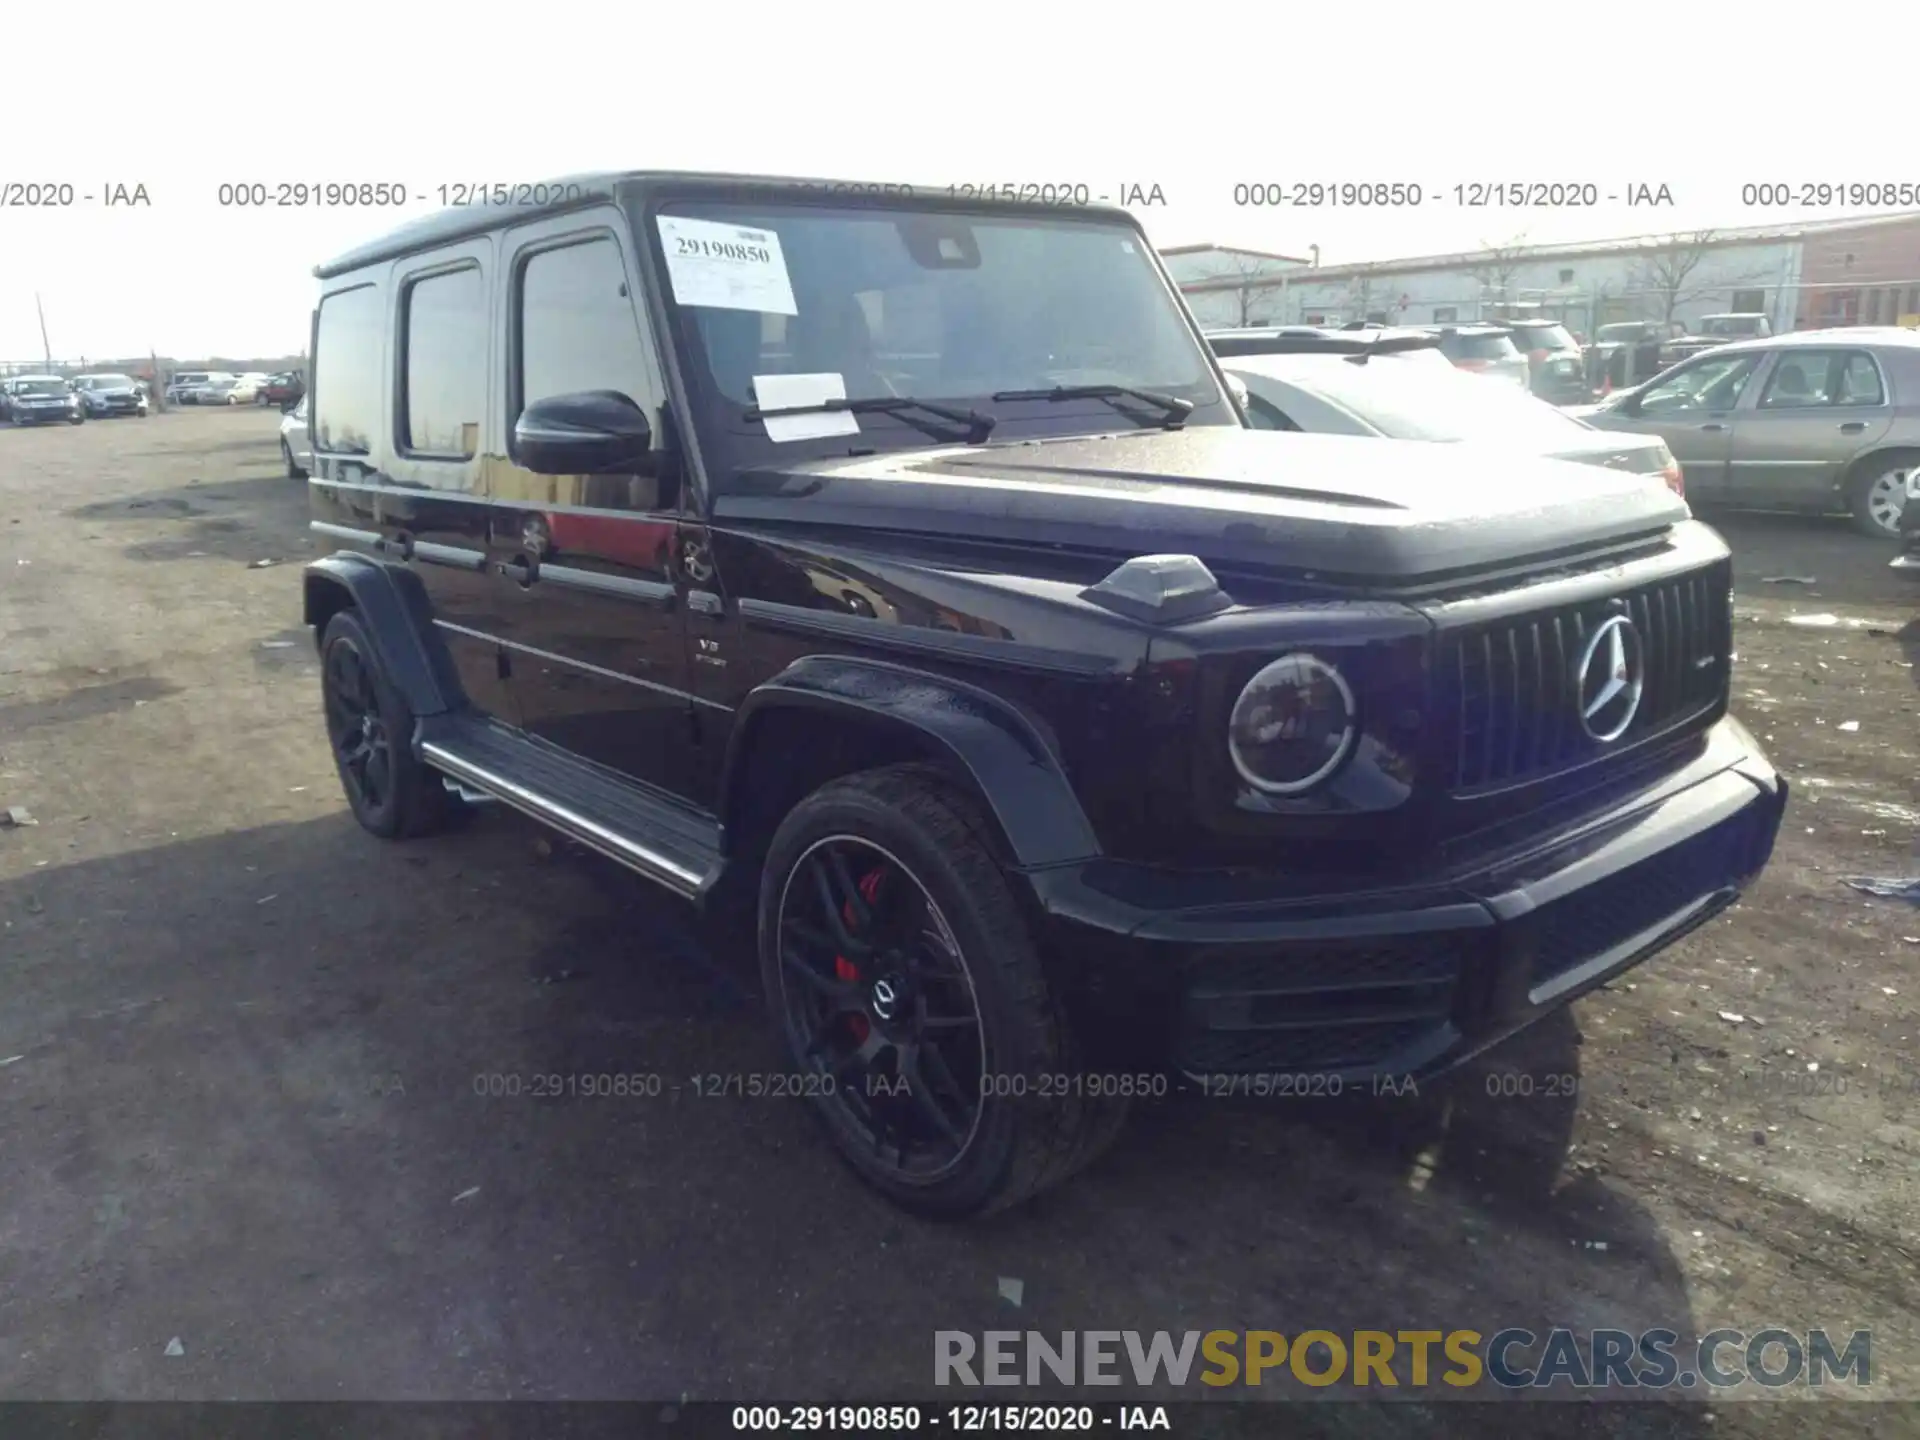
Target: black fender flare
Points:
(394, 608)
(1014, 769)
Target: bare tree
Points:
(1371, 292)
(1498, 265)
(1667, 272)
(1250, 281)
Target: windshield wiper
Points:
(1176, 409)
(979, 424)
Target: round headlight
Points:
(1293, 725)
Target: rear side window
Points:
(445, 329)
(1544, 337)
(1484, 347)
(346, 372)
(577, 330)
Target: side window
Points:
(1800, 378)
(1709, 385)
(443, 326)
(1860, 381)
(1265, 415)
(577, 329)
(346, 372)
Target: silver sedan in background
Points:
(1816, 421)
(1417, 395)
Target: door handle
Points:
(523, 569)
(1852, 427)
(1713, 428)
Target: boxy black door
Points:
(397, 410)
(597, 646)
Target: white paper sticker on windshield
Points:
(788, 392)
(726, 267)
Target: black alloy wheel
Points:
(370, 730)
(876, 995)
(362, 748)
(909, 995)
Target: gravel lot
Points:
(239, 1042)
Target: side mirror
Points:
(590, 432)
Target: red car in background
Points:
(284, 389)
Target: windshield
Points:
(1612, 334)
(1409, 402)
(41, 387)
(108, 382)
(1732, 325)
(875, 303)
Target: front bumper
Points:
(1412, 978)
(43, 416)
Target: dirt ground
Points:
(241, 1044)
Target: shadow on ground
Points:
(279, 1094)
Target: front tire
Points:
(370, 730)
(1876, 496)
(905, 987)
(294, 472)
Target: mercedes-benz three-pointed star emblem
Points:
(1610, 679)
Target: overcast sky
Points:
(1192, 99)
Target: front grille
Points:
(1317, 1007)
(1625, 904)
(1516, 704)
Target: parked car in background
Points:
(1401, 342)
(216, 391)
(282, 389)
(1626, 352)
(1815, 421)
(295, 450)
(38, 399)
(245, 388)
(104, 395)
(185, 384)
(1715, 331)
(1484, 350)
(1383, 396)
(1555, 371)
(1909, 557)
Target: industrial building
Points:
(1858, 270)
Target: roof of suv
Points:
(1470, 327)
(576, 192)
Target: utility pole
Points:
(45, 348)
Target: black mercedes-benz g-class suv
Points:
(898, 571)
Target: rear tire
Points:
(370, 731)
(1876, 496)
(939, 935)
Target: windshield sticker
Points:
(798, 393)
(726, 267)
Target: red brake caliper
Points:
(845, 969)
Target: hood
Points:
(1331, 507)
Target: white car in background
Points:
(296, 451)
(246, 388)
(1405, 395)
